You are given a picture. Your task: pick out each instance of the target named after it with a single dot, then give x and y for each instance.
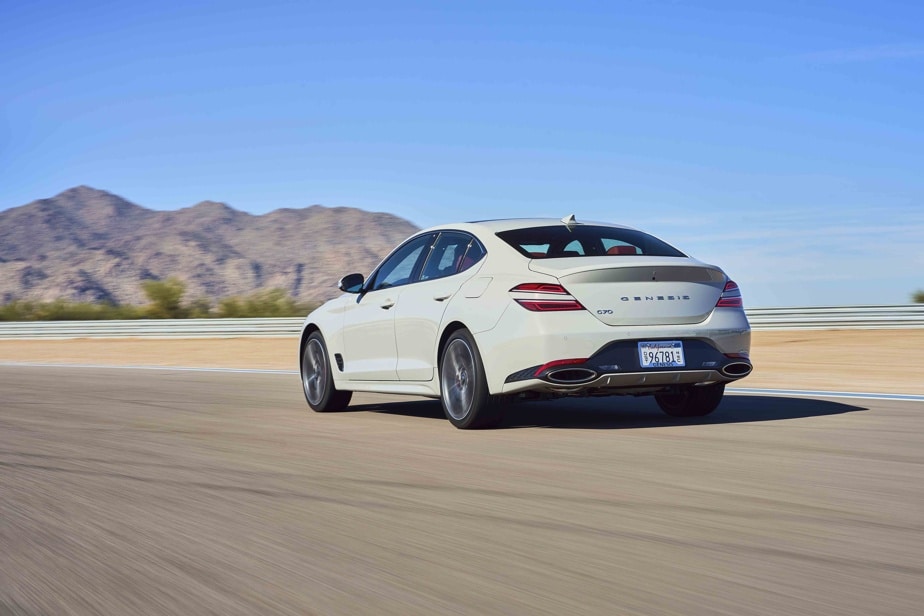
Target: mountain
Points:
(90, 245)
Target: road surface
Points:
(167, 492)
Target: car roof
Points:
(506, 224)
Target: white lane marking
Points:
(802, 393)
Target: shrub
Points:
(63, 310)
(166, 302)
(166, 298)
(200, 309)
(271, 303)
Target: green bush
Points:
(63, 310)
(166, 302)
(200, 309)
(918, 297)
(271, 303)
(166, 297)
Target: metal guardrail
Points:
(153, 328)
(816, 317)
(907, 316)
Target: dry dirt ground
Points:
(884, 361)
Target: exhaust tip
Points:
(571, 375)
(737, 369)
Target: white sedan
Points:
(480, 314)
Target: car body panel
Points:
(369, 347)
(418, 317)
(647, 295)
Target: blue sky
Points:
(783, 141)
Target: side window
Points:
(473, 255)
(399, 268)
(535, 250)
(446, 256)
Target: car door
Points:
(370, 352)
(419, 313)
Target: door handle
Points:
(441, 298)
(388, 303)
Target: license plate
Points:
(661, 354)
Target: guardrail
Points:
(909, 316)
(816, 317)
(153, 328)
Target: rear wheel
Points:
(691, 401)
(463, 386)
(317, 380)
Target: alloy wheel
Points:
(314, 372)
(457, 379)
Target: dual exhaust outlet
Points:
(576, 376)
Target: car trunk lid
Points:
(647, 291)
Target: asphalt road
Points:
(164, 492)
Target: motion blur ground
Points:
(166, 492)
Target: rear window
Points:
(585, 241)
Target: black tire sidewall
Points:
(331, 399)
(483, 410)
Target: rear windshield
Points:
(585, 241)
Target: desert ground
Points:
(883, 361)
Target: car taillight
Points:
(731, 296)
(540, 287)
(559, 305)
(546, 304)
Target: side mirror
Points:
(351, 283)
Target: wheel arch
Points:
(309, 329)
(448, 331)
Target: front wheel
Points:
(463, 387)
(691, 401)
(317, 380)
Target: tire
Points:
(691, 401)
(317, 380)
(464, 393)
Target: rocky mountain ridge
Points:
(90, 245)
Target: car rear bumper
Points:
(523, 341)
(622, 383)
